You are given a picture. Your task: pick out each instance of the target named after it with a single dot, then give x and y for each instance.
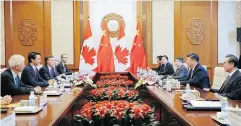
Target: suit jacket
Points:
(239, 62)
(199, 78)
(29, 77)
(232, 88)
(159, 68)
(44, 73)
(60, 69)
(181, 73)
(166, 70)
(9, 87)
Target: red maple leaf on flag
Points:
(121, 54)
(88, 55)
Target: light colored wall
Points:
(62, 28)
(163, 29)
(228, 21)
(2, 35)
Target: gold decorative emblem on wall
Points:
(195, 31)
(27, 32)
(113, 24)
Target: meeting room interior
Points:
(120, 63)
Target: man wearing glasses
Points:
(62, 67)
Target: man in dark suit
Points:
(10, 81)
(62, 67)
(30, 75)
(198, 76)
(231, 87)
(181, 71)
(239, 62)
(159, 68)
(48, 71)
(166, 68)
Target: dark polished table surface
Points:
(172, 102)
(51, 114)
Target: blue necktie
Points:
(52, 72)
(17, 80)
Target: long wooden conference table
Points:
(57, 108)
(172, 103)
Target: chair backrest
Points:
(205, 67)
(219, 77)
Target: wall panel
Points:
(27, 27)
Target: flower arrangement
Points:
(114, 93)
(113, 76)
(120, 112)
(113, 82)
(80, 79)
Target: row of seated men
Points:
(32, 79)
(196, 75)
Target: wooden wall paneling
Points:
(149, 33)
(206, 11)
(77, 33)
(139, 12)
(214, 33)
(47, 28)
(81, 8)
(177, 28)
(37, 14)
(146, 24)
(8, 31)
(200, 10)
(214, 37)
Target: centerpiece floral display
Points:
(114, 93)
(114, 80)
(80, 79)
(114, 101)
(109, 113)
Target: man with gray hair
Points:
(10, 81)
(231, 87)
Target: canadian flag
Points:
(121, 52)
(88, 52)
(138, 53)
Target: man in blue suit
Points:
(181, 71)
(30, 75)
(48, 71)
(198, 76)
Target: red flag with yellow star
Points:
(105, 57)
(138, 53)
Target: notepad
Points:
(52, 92)
(206, 104)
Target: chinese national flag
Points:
(138, 54)
(121, 30)
(105, 57)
